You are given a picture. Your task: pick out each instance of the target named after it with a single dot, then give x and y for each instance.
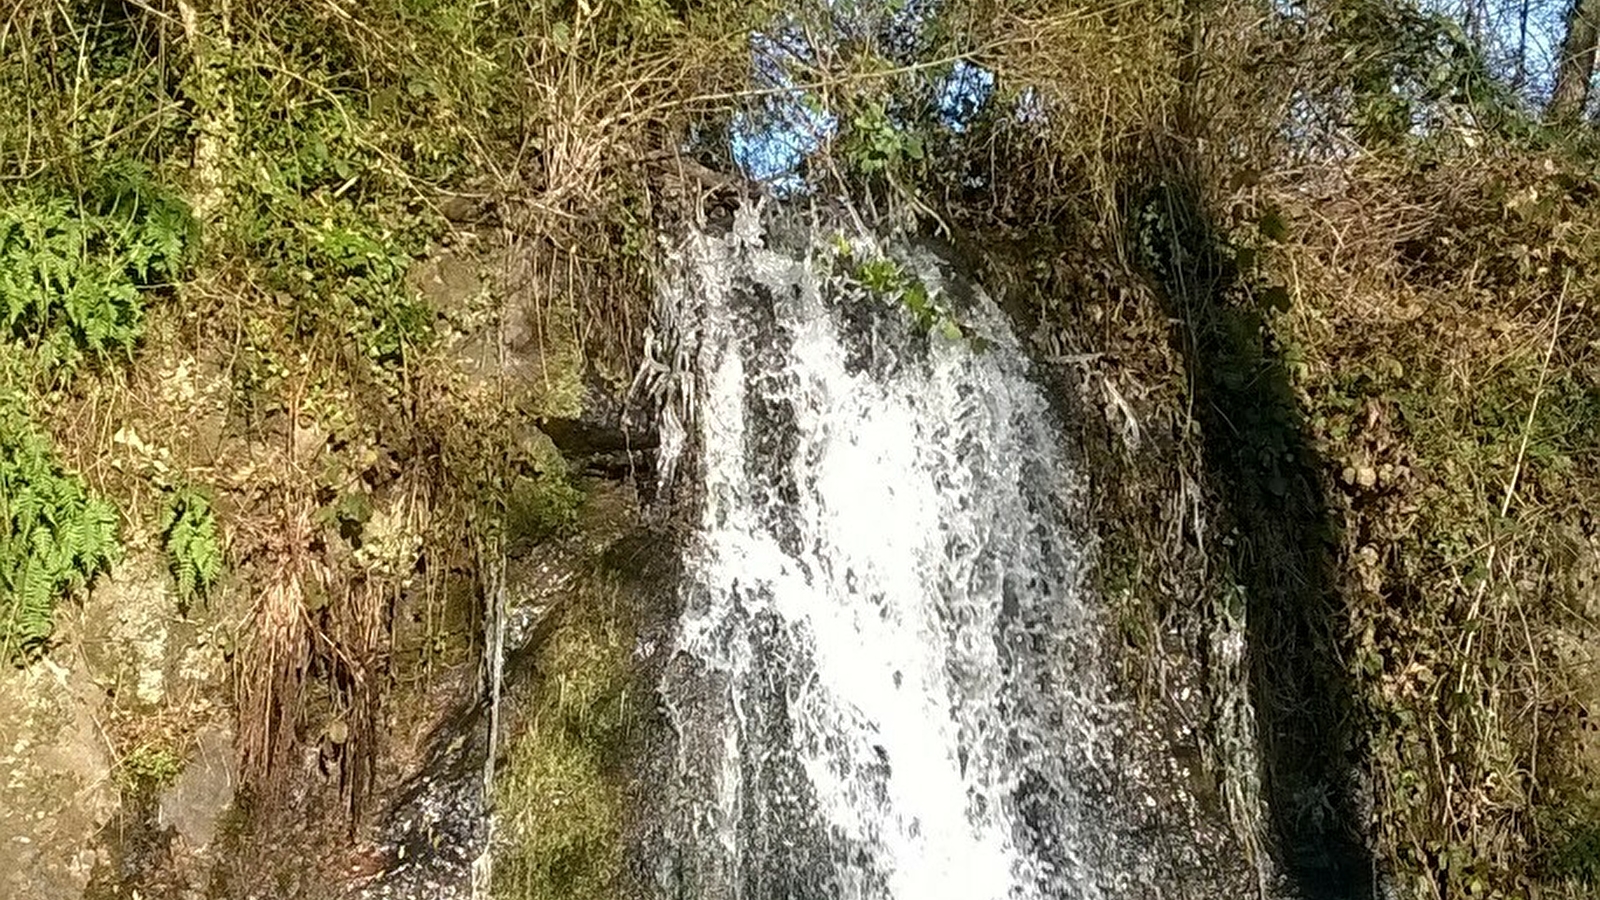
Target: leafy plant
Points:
(189, 534)
(874, 144)
(1404, 65)
(72, 269)
(54, 536)
(341, 263)
(887, 280)
(149, 767)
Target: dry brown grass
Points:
(1442, 343)
(275, 661)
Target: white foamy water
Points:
(889, 671)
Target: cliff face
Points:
(1335, 390)
(315, 322)
(311, 719)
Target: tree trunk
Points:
(1575, 68)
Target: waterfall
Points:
(890, 677)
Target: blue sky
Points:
(1499, 24)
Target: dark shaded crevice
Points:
(1268, 482)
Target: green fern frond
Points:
(72, 269)
(194, 552)
(54, 536)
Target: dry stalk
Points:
(274, 668)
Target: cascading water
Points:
(889, 679)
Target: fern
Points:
(72, 269)
(189, 531)
(54, 536)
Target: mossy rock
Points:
(559, 792)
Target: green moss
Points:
(540, 500)
(540, 507)
(149, 767)
(566, 840)
(557, 388)
(559, 795)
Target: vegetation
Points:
(75, 267)
(148, 768)
(54, 534)
(886, 280)
(1330, 265)
(212, 222)
(189, 533)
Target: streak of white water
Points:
(897, 688)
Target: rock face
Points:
(116, 754)
(502, 334)
(196, 802)
(56, 786)
(575, 605)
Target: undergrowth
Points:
(54, 534)
(1458, 419)
(74, 270)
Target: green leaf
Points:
(1273, 226)
(1276, 297)
(194, 553)
(54, 536)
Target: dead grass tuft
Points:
(275, 661)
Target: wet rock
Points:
(432, 839)
(619, 464)
(436, 835)
(605, 438)
(602, 424)
(195, 803)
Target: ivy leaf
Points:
(1272, 225)
(1276, 298)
